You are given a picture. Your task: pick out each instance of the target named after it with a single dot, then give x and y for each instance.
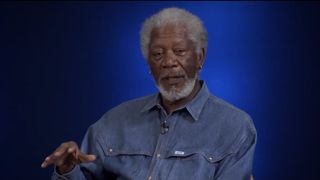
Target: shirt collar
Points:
(152, 102)
(194, 107)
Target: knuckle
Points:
(54, 156)
(72, 143)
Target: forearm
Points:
(238, 165)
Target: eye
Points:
(157, 55)
(180, 52)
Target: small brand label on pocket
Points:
(178, 152)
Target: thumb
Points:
(85, 158)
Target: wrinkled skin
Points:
(173, 60)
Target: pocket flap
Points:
(186, 154)
(116, 151)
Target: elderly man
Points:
(184, 132)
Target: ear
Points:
(149, 69)
(200, 57)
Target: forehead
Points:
(169, 34)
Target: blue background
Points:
(64, 64)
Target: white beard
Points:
(175, 94)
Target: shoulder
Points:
(131, 106)
(228, 126)
(227, 111)
(232, 120)
(124, 112)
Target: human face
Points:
(173, 61)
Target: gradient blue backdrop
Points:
(64, 64)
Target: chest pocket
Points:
(131, 161)
(190, 164)
(128, 163)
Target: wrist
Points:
(63, 169)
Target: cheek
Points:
(191, 74)
(154, 72)
(191, 69)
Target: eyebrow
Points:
(177, 43)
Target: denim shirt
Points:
(206, 139)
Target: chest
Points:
(141, 151)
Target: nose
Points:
(169, 60)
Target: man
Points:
(181, 133)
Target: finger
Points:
(85, 158)
(66, 158)
(46, 162)
(70, 156)
(73, 148)
(51, 159)
(64, 147)
(72, 144)
(59, 154)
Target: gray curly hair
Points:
(196, 31)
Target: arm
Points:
(239, 164)
(66, 159)
(76, 164)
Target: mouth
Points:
(172, 77)
(173, 80)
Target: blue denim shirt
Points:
(206, 139)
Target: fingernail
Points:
(43, 165)
(70, 150)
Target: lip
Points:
(173, 80)
(172, 77)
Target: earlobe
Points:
(201, 58)
(150, 72)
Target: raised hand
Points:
(66, 156)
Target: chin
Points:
(176, 93)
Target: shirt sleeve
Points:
(86, 171)
(238, 165)
(75, 173)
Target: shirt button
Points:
(210, 158)
(110, 150)
(158, 155)
(150, 177)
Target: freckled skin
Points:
(172, 60)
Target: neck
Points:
(171, 106)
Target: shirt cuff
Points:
(73, 174)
